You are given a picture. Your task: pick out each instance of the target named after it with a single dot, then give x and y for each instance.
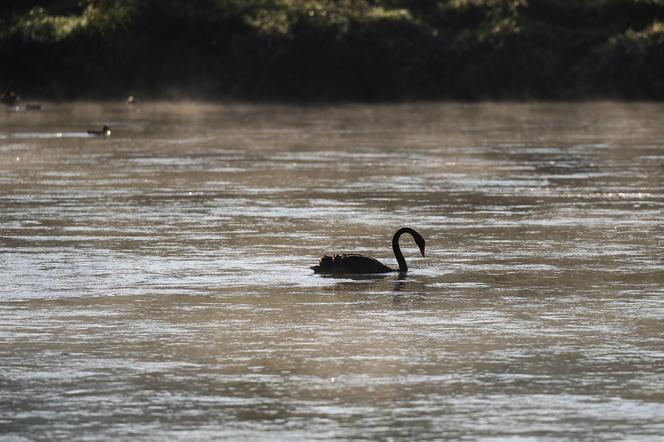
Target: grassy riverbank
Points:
(328, 50)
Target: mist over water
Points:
(155, 284)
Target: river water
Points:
(155, 284)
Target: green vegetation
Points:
(334, 50)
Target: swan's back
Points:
(350, 263)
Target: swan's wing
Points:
(358, 264)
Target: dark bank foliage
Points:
(342, 49)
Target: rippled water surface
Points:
(155, 285)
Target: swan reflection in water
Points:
(353, 263)
(402, 288)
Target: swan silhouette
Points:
(354, 263)
(106, 131)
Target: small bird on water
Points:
(9, 98)
(354, 263)
(105, 131)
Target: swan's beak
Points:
(422, 253)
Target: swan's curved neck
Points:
(403, 267)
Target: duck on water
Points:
(353, 263)
(105, 131)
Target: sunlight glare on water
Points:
(155, 284)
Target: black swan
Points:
(350, 263)
(106, 131)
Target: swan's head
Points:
(416, 236)
(418, 239)
(420, 243)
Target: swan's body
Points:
(350, 263)
(105, 131)
(353, 263)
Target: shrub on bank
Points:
(344, 49)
